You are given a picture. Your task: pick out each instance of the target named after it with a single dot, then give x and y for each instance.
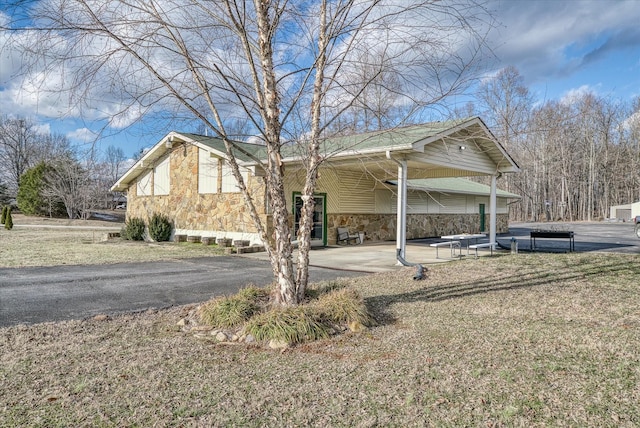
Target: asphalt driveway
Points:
(40, 294)
(616, 237)
(32, 295)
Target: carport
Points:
(461, 148)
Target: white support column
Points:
(492, 210)
(401, 226)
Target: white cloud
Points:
(83, 135)
(42, 128)
(547, 39)
(572, 95)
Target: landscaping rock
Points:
(278, 344)
(224, 242)
(208, 240)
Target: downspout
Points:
(401, 227)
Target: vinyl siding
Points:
(451, 156)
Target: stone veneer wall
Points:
(382, 227)
(208, 214)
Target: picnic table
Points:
(464, 237)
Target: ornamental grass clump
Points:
(330, 308)
(343, 307)
(160, 228)
(295, 324)
(133, 229)
(233, 311)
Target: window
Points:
(207, 172)
(229, 182)
(144, 184)
(161, 178)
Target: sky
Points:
(559, 47)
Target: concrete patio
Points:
(379, 257)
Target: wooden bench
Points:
(490, 245)
(552, 234)
(345, 236)
(451, 244)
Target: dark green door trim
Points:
(319, 216)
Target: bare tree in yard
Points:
(68, 182)
(285, 66)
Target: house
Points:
(380, 183)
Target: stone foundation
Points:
(382, 227)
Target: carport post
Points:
(401, 216)
(492, 209)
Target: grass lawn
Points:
(527, 340)
(43, 245)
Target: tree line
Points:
(578, 156)
(44, 174)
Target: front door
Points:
(319, 228)
(482, 225)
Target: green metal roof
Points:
(243, 149)
(397, 138)
(455, 185)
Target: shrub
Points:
(31, 197)
(133, 229)
(8, 221)
(4, 214)
(160, 228)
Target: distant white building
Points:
(625, 212)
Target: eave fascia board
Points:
(487, 138)
(146, 162)
(357, 153)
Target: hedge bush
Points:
(160, 228)
(133, 229)
(8, 221)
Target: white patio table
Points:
(465, 237)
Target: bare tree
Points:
(66, 180)
(508, 104)
(115, 161)
(285, 67)
(23, 145)
(579, 156)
